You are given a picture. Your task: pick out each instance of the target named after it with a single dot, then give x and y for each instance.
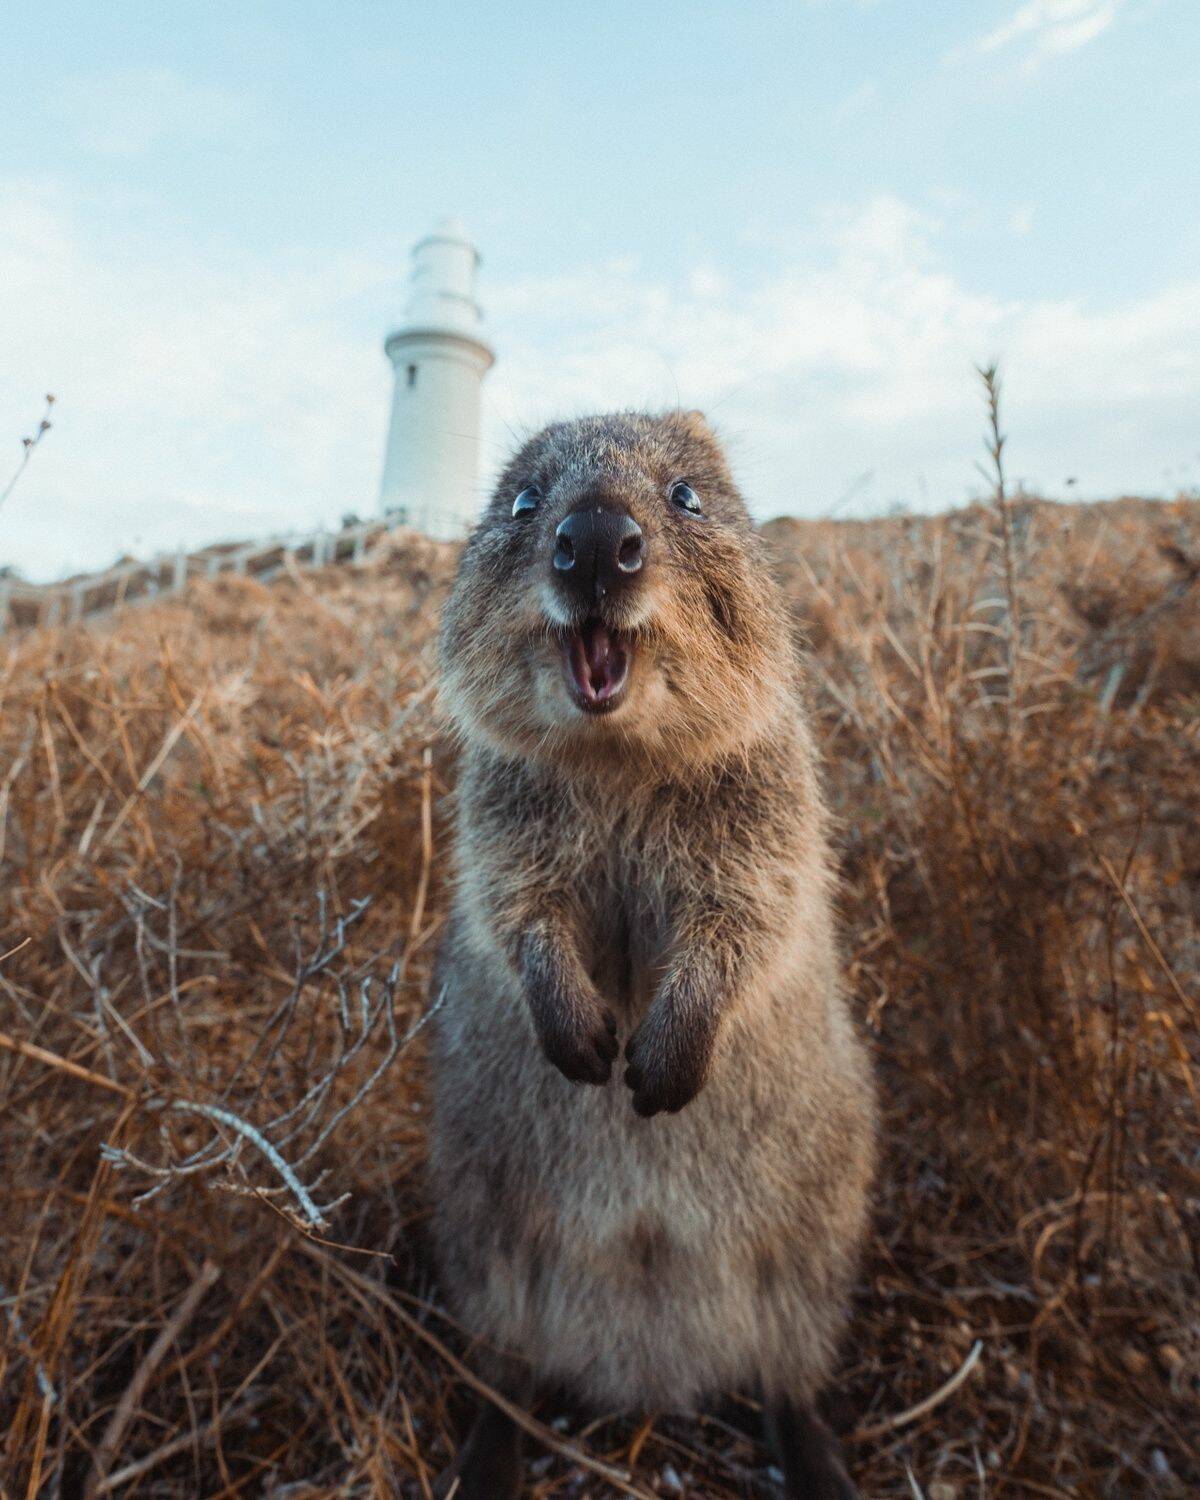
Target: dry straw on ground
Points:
(223, 854)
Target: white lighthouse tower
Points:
(440, 358)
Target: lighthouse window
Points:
(412, 376)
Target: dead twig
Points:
(127, 1407)
(364, 1013)
(193, 1438)
(994, 442)
(922, 1408)
(64, 1065)
(29, 444)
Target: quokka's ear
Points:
(694, 423)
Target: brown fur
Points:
(657, 879)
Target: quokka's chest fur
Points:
(626, 925)
(649, 1261)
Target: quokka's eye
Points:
(527, 501)
(685, 497)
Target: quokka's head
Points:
(615, 601)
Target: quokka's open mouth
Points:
(596, 662)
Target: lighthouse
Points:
(440, 357)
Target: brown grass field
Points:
(235, 1296)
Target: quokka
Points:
(642, 868)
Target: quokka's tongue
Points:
(597, 662)
(597, 645)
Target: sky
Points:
(811, 219)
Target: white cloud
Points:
(857, 101)
(129, 111)
(861, 359)
(198, 395)
(1020, 220)
(1041, 29)
(201, 396)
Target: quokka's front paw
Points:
(668, 1061)
(580, 1040)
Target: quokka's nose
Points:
(596, 551)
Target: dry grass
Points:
(185, 789)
